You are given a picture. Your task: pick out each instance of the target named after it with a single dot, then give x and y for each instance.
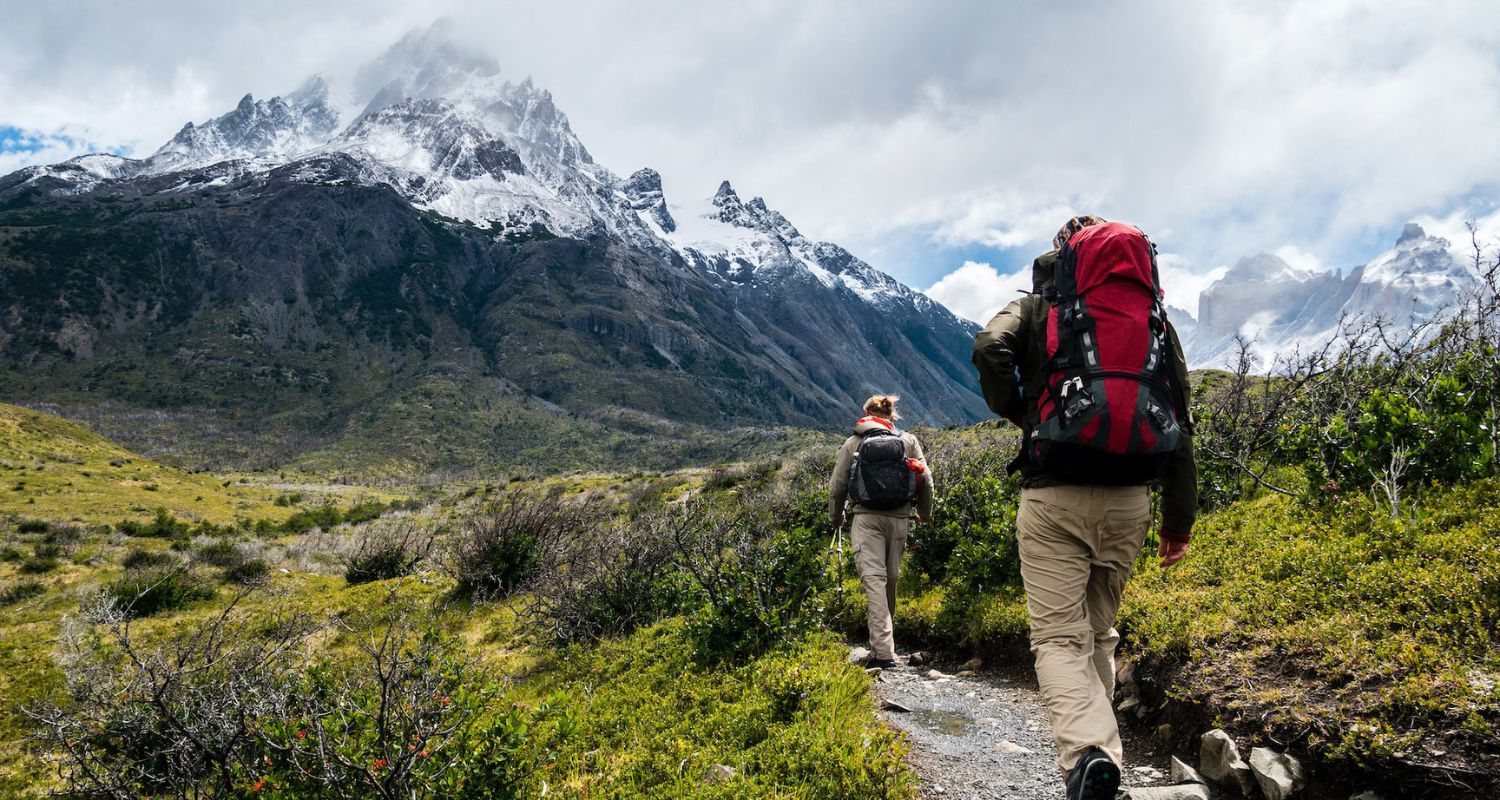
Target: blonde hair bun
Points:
(883, 405)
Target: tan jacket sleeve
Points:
(1179, 487)
(838, 484)
(999, 349)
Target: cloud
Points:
(1226, 128)
(1181, 285)
(978, 291)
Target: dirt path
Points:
(986, 736)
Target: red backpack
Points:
(1110, 410)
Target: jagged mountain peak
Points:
(425, 63)
(1282, 307)
(644, 193)
(279, 127)
(433, 137)
(1411, 232)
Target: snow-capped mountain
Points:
(1282, 308)
(450, 214)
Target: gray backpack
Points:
(881, 477)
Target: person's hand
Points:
(921, 520)
(838, 522)
(1171, 552)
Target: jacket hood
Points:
(868, 424)
(1042, 271)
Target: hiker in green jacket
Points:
(882, 471)
(1078, 540)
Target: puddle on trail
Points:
(950, 723)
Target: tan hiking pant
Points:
(878, 542)
(1078, 545)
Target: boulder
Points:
(917, 658)
(1280, 776)
(1219, 760)
(974, 664)
(1186, 791)
(859, 655)
(1182, 773)
(720, 773)
(1007, 746)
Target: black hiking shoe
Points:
(883, 663)
(1095, 778)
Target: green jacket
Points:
(1009, 353)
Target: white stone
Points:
(1007, 746)
(1219, 760)
(859, 655)
(1182, 773)
(1280, 776)
(720, 773)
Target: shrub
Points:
(32, 526)
(610, 581)
(44, 558)
(146, 592)
(388, 552)
(228, 707)
(219, 553)
(146, 559)
(11, 553)
(162, 526)
(971, 536)
(495, 552)
(753, 576)
(252, 572)
(18, 592)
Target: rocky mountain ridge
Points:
(282, 268)
(1282, 308)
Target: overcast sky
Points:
(943, 142)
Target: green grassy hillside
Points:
(53, 469)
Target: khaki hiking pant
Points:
(878, 542)
(1078, 545)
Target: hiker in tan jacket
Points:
(879, 526)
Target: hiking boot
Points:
(883, 663)
(1095, 777)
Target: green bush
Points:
(251, 572)
(44, 558)
(19, 592)
(32, 526)
(146, 559)
(151, 591)
(162, 526)
(389, 552)
(229, 707)
(495, 552)
(222, 553)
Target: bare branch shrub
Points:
(500, 549)
(236, 705)
(388, 549)
(609, 580)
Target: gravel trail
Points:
(985, 736)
